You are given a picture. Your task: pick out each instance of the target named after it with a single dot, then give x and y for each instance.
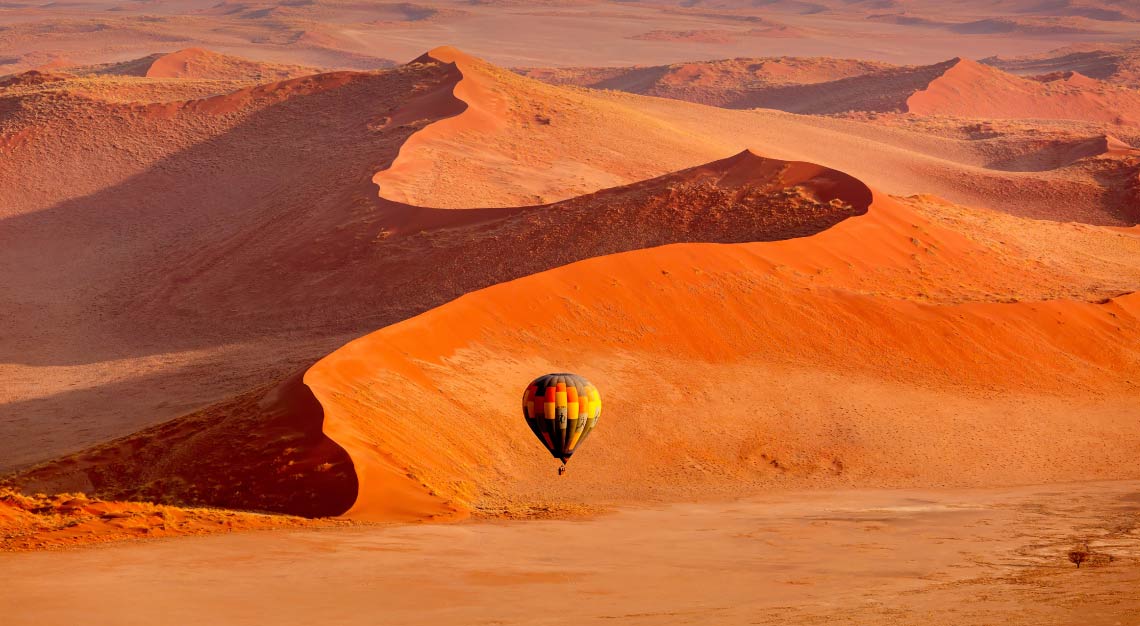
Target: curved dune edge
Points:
(459, 105)
(425, 407)
(506, 142)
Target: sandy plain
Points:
(980, 556)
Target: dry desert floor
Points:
(970, 556)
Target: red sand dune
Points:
(271, 440)
(617, 140)
(302, 213)
(181, 195)
(870, 319)
(969, 89)
(408, 397)
(192, 182)
(400, 402)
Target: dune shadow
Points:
(262, 451)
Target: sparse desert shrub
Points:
(1078, 556)
(1086, 555)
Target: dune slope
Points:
(868, 320)
(272, 439)
(886, 388)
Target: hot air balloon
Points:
(561, 410)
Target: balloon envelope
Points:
(561, 410)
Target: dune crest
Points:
(460, 104)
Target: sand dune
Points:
(969, 89)
(869, 318)
(733, 83)
(865, 313)
(192, 63)
(393, 394)
(797, 314)
(161, 187)
(310, 224)
(744, 198)
(1052, 155)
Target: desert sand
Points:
(857, 281)
(994, 556)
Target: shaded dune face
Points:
(262, 451)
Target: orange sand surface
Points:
(772, 319)
(859, 371)
(954, 557)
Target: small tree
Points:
(1079, 556)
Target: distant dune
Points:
(199, 63)
(578, 141)
(1118, 64)
(334, 34)
(958, 87)
(969, 89)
